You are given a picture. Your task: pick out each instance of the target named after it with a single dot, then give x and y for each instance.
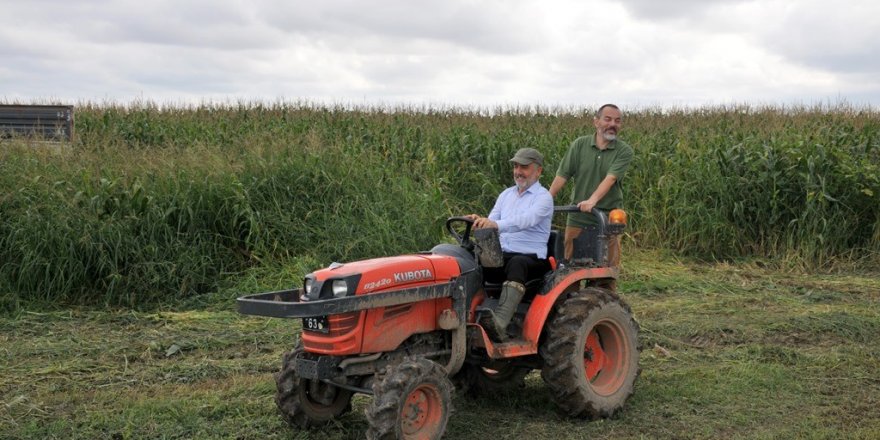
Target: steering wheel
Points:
(463, 239)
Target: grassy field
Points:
(729, 351)
(754, 263)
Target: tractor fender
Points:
(561, 282)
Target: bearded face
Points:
(608, 123)
(609, 133)
(525, 175)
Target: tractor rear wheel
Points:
(591, 353)
(305, 403)
(412, 400)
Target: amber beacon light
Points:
(617, 217)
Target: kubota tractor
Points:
(404, 329)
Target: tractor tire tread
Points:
(390, 390)
(288, 397)
(561, 372)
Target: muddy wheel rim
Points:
(606, 357)
(422, 412)
(320, 393)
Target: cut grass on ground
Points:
(729, 351)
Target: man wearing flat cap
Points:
(522, 215)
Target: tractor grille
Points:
(344, 323)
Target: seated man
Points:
(522, 215)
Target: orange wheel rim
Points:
(607, 355)
(422, 412)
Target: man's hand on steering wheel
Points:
(482, 222)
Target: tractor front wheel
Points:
(591, 354)
(305, 403)
(412, 400)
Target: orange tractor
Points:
(404, 329)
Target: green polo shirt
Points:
(586, 165)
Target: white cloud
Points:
(685, 10)
(467, 52)
(491, 26)
(834, 37)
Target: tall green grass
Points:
(797, 184)
(150, 203)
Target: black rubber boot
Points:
(495, 321)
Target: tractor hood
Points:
(389, 273)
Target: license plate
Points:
(317, 324)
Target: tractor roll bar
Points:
(600, 214)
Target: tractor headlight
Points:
(308, 283)
(340, 288)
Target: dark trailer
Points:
(45, 122)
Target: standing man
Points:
(522, 215)
(597, 164)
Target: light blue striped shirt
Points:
(524, 219)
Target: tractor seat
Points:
(533, 286)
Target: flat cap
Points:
(526, 156)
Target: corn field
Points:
(152, 203)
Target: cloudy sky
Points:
(454, 52)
